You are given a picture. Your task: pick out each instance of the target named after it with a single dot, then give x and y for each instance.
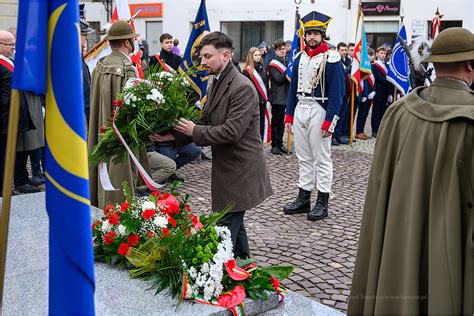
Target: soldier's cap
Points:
(85, 29)
(121, 30)
(452, 45)
(315, 21)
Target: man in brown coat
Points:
(416, 241)
(230, 125)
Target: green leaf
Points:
(279, 272)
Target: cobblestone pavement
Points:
(323, 252)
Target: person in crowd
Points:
(255, 71)
(415, 253)
(235, 61)
(383, 89)
(339, 138)
(175, 50)
(314, 100)
(367, 98)
(166, 59)
(288, 45)
(28, 102)
(229, 124)
(108, 79)
(86, 75)
(278, 95)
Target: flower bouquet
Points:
(163, 241)
(144, 107)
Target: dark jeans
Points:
(278, 127)
(21, 176)
(37, 161)
(235, 223)
(263, 107)
(343, 113)
(378, 110)
(364, 108)
(182, 155)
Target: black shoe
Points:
(37, 180)
(302, 204)
(204, 157)
(283, 149)
(320, 209)
(374, 135)
(275, 151)
(143, 191)
(334, 142)
(343, 140)
(27, 188)
(174, 177)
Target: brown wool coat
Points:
(230, 125)
(416, 242)
(108, 79)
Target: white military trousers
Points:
(313, 151)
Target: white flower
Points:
(185, 82)
(155, 96)
(160, 221)
(121, 229)
(148, 205)
(164, 74)
(127, 98)
(106, 226)
(134, 98)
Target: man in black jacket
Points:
(279, 85)
(86, 75)
(166, 59)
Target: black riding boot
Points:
(320, 209)
(302, 204)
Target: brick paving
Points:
(323, 252)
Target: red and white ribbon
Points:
(380, 65)
(258, 82)
(164, 65)
(6, 62)
(278, 65)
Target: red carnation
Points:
(123, 249)
(171, 203)
(232, 298)
(172, 221)
(148, 214)
(196, 223)
(103, 128)
(107, 208)
(109, 237)
(114, 219)
(96, 223)
(133, 240)
(155, 193)
(124, 206)
(165, 232)
(117, 103)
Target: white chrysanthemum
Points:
(160, 221)
(148, 205)
(106, 226)
(121, 229)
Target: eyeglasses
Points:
(11, 45)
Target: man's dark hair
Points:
(278, 44)
(370, 51)
(350, 45)
(341, 44)
(382, 48)
(165, 36)
(216, 39)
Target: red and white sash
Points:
(380, 65)
(278, 65)
(6, 62)
(164, 65)
(371, 81)
(262, 90)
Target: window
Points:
(249, 34)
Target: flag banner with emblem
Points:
(190, 66)
(361, 66)
(297, 45)
(51, 30)
(398, 71)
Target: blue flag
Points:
(48, 60)
(398, 72)
(295, 47)
(190, 66)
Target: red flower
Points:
(196, 223)
(170, 203)
(275, 283)
(112, 113)
(124, 206)
(117, 103)
(155, 193)
(107, 208)
(109, 237)
(150, 234)
(123, 249)
(171, 220)
(96, 223)
(114, 219)
(103, 128)
(133, 240)
(148, 214)
(232, 298)
(236, 273)
(165, 232)
(188, 208)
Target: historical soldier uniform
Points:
(314, 100)
(415, 245)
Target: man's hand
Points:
(325, 133)
(161, 138)
(186, 127)
(288, 126)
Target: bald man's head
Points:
(7, 43)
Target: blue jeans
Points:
(182, 155)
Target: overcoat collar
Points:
(225, 79)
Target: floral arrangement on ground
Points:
(144, 107)
(160, 239)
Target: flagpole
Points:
(7, 184)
